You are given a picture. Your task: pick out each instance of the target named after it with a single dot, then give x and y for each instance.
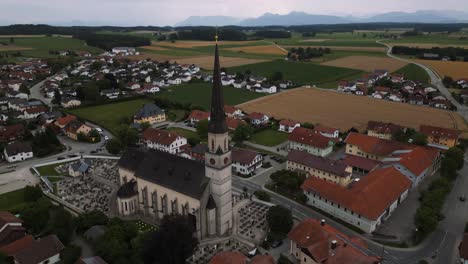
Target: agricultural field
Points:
(454, 69)
(268, 49)
(207, 62)
(344, 48)
(339, 39)
(110, 116)
(443, 39)
(414, 72)
(301, 73)
(199, 43)
(39, 47)
(367, 63)
(345, 111)
(199, 94)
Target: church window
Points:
(212, 161)
(212, 145)
(225, 144)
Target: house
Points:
(198, 152)
(362, 90)
(285, 84)
(239, 84)
(12, 133)
(149, 113)
(11, 229)
(316, 166)
(174, 81)
(14, 85)
(197, 116)
(91, 260)
(270, 89)
(17, 151)
(381, 73)
(110, 93)
(74, 128)
(257, 119)
(133, 86)
(313, 241)
(430, 90)
(416, 164)
(233, 123)
(70, 102)
(123, 50)
(383, 130)
(442, 104)
(328, 132)
(36, 251)
(163, 140)
(227, 257)
(382, 90)
(252, 85)
(308, 140)
(79, 168)
(150, 88)
(245, 161)
(440, 137)
(463, 249)
(33, 112)
(232, 111)
(364, 204)
(16, 94)
(226, 81)
(372, 147)
(63, 121)
(360, 164)
(288, 125)
(397, 78)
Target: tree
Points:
(262, 195)
(24, 89)
(114, 146)
(242, 132)
(284, 260)
(12, 40)
(277, 76)
(36, 215)
(279, 220)
(57, 97)
(173, 243)
(61, 224)
(144, 126)
(89, 219)
(70, 254)
(419, 139)
(127, 136)
(202, 129)
(308, 125)
(96, 66)
(32, 193)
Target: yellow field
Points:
(344, 111)
(153, 48)
(267, 49)
(454, 69)
(13, 48)
(342, 48)
(367, 63)
(194, 44)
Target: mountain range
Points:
(302, 18)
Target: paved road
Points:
(440, 246)
(36, 92)
(435, 80)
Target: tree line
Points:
(308, 53)
(208, 33)
(450, 52)
(107, 42)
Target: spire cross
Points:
(216, 36)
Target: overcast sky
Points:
(169, 12)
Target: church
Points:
(155, 183)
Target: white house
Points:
(70, 102)
(226, 81)
(310, 141)
(287, 125)
(267, 89)
(258, 119)
(18, 151)
(123, 50)
(110, 93)
(174, 81)
(239, 84)
(164, 140)
(328, 132)
(246, 161)
(133, 86)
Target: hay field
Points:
(345, 111)
(194, 44)
(157, 48)
(342, 48)
(367, 63)
(267, 49)
(206, 62)
(13, 48)
(454, 69)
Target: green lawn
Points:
(414, 72)
(110, 116)
(12, 201)
(42, 45)
(199, 94)
(185, 133)
(176, 115)
(269, 138)
(143, 227)
(301, 73)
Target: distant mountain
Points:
(301, 18)
(293, 18)
(209, 21)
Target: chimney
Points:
(334, 244)
(322, 222)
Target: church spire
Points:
(217, 124)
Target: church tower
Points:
(218, 160)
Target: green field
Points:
(42, 45)
(342, 39)
(269, 138)
(110, 116)
(199, 94)
(414, 72)
(185, 133)
(436, 38)
(12, 201)
(301, 73)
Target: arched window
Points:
(212, 145)
(225, 144)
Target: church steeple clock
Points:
(218, 158)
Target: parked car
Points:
(106, 138)
(98, 129)
(462, 198)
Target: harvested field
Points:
(206, 62)
(367, 63)
(267, 49)
(342, 48)
(194, 44)
(13, 48)
(345, 111)
(314, 40)
(153, 48)
(428, 45)
(454, 69)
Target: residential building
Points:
(360, 164)
(371, 147)
(18, 151)
(232, 111)
(70, 102)
(11, 228)
(440, 137)
(149, 113)
(27, 250)
(288, 125)
(328, 132)
(314, 242)
(308, 140)
(382, 130)
(365, 203)
(257, 119)
(163, 140)
(233, 123)
(320, 167)
(63, 121)
(75, 127)
(246, 162)
(198, 152)
(197, 116)
(12, 133)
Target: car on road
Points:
(60, 158)
(93, 152)
(462, 198)
(72, 156)
(106, 138)
(98, 129)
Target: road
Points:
(435, 80)
(36, 93)
(440, 246)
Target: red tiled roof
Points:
(262, 259)
(230, 109)
(383, 128)
(159, 136)
(316, 239)
(464, 247)
(369, 197)
(326, 130)
(418, 159)
(63, 121)
(360, 162)
(309, 137)
(288, 122)
(7, 217)
(382, 89)
(324, 164)
(35, 110)
(375, 145)
(39, 250)
(255, 115)
(11, 132)
(439, 132)
(229, 258)
(199, 115)
(233, 123)
(17, 245)
(243, 156)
